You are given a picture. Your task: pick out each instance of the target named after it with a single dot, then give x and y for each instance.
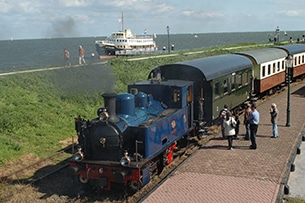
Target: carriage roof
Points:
(293, 48)
(264, 55)
(207, 68)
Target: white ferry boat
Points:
(124, 43)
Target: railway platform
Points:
(216, 174)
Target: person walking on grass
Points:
(81, 52)
(67, 58)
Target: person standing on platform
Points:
(222, 116)
(253, 121)
(67, 58)
(81, 55)
(236, 127)
(229, 124)
(274, 118)
(246, 122)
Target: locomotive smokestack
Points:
(109, 100)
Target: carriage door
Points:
(190, 105)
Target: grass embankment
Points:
(38, 109)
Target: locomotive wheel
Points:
(134, 186)
(160, 165)
(183, 142)
(83, 180)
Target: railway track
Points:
(19, 176)
(35, 165)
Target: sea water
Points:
(39, 53)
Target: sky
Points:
(35, 19)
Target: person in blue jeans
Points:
(253, 121)
(274, 113)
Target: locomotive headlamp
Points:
(103, 114)
(78, 156)
(125, 160)
(100, 170)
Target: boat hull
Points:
(108, 50)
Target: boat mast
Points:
(122, 22)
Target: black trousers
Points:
(253, 131)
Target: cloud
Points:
(196, 14)
(293, 13)
(75, 3)
(148, 6)
(5, 6)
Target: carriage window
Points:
(302, 59)
(269, 69)
(245, 78)
(217, 89)
(283, 65)
(264, 71)
(273, 69)
(238, 80)
(233, 82)
(278, 66)
(225, 86)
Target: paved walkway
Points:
(296, 180)
(215, 174)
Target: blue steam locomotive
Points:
(135, 133)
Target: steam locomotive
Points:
(135, 134)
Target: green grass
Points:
(294, 200)
(38, 109)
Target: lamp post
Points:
(167, 28)
(289, 68)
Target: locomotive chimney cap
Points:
(109, 94)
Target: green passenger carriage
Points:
(218, 80)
